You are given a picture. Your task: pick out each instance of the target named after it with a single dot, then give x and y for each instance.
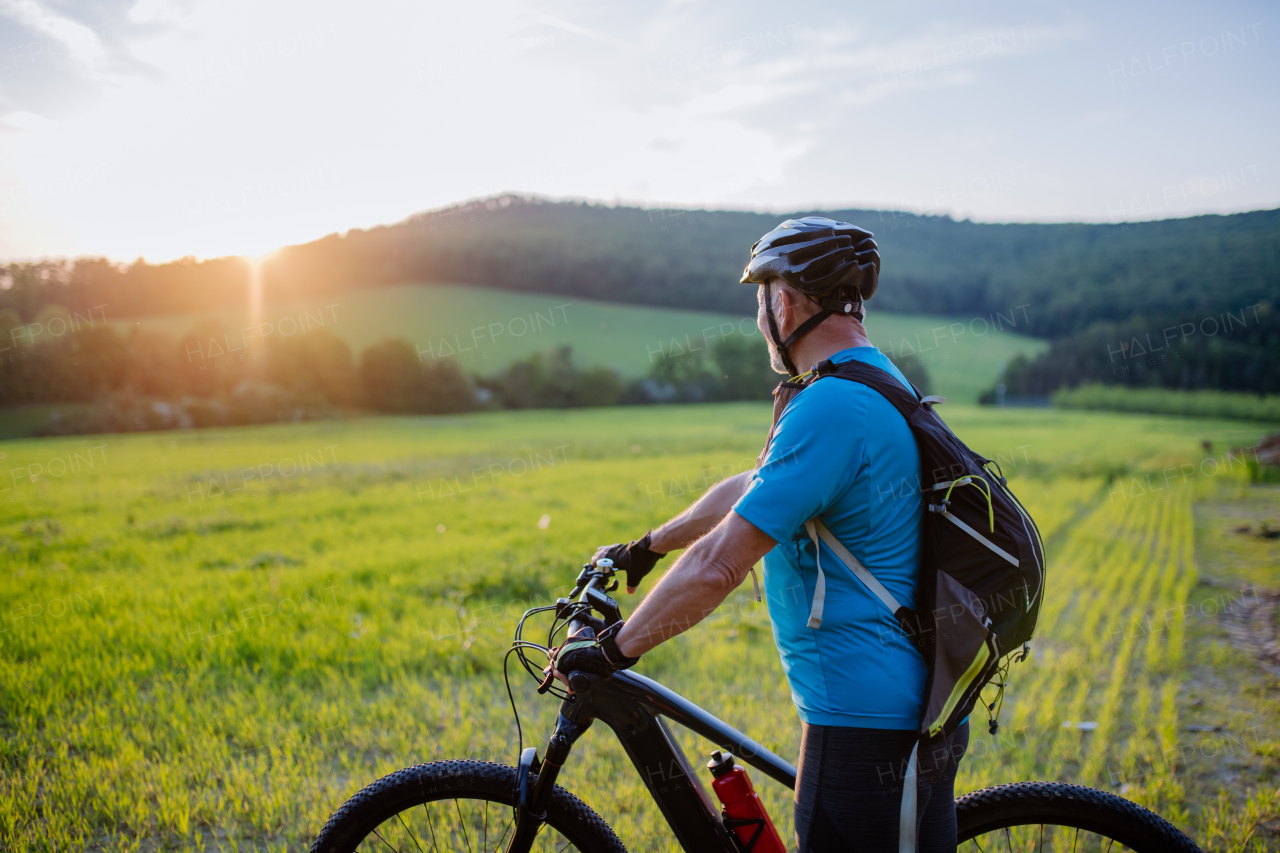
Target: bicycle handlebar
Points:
(590, 592)
(593, 588)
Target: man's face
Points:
(762, 322)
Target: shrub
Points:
(1161, 401)
(395, 380)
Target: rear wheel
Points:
(1051, 816)
(449, 806)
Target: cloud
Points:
(20, 120)
(63, 36)
(669, 146)
(580, 31)
(63, 58)
(938, 57)
(156, 11)
(154, 113)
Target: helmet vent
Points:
(818, 256)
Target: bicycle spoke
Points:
(384, 841)
(410, 831)
(510, 824)
(462, 823)
(434, 844)
(388, 840)
(1045, 837)
(385, 817)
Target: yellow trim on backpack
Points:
(974, 670)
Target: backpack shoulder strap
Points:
(817, 530)
(878, 380)
(786, 391)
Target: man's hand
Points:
(635, 558)
(583, 652)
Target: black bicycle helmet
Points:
(835, 264)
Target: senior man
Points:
(856, 680)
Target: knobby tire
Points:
(361, 818)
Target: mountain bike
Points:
(469, 805)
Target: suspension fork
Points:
(533, 797)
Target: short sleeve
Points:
(816, 454)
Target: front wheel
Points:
(449, 806)
(1055, 816)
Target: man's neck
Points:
(830, 337)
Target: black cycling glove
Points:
(598, 655)
(635, 558)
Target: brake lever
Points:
(584, 577)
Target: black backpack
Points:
(981, 562)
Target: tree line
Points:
(1233, 350)
(1071, 275)
(142, 379)
(1076, 281)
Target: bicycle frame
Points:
(634, 707)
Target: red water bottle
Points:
(743, 811)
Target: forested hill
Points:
(1067, 275)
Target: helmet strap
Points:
(773, 332)
(806, 327)
(784, 347)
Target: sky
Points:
(163, 129)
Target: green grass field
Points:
(211, 638)
(486, 329)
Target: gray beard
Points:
(775, 359)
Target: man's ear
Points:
(784, 306)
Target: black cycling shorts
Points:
(849, 790)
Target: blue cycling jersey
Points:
(842, 453)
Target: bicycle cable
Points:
(577, 609)
(510, 695)
(519, 645)
(519, 649)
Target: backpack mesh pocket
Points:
(965, 651)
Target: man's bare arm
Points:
(696, 585)
(692, 524)
(705, 513)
